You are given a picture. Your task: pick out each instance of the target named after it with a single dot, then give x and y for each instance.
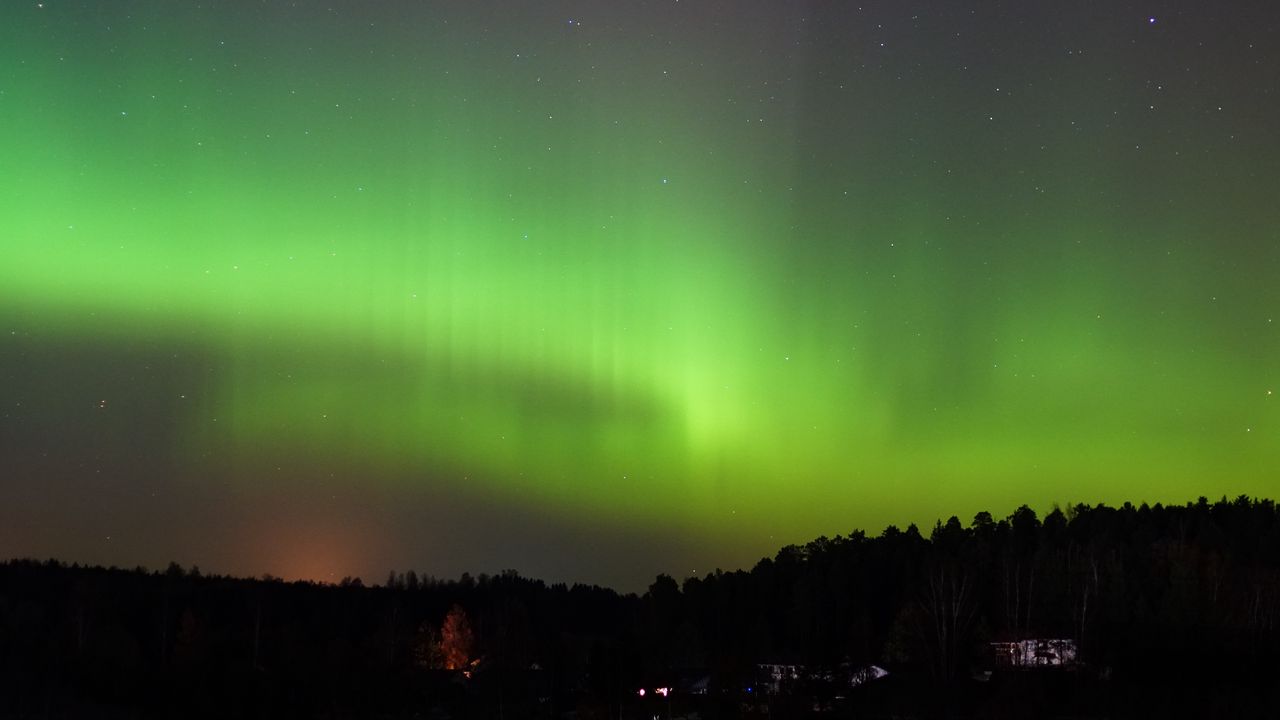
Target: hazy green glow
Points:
(575, 271)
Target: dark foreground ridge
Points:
(1091, 612)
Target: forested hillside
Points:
(1177, 597)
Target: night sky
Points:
(595, 290)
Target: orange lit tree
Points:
(457, 644)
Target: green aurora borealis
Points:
(622, 287)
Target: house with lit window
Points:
(1034, 653)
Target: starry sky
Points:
(599, 290)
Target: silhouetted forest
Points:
(1171, 610)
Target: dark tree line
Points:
(1184, 598)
